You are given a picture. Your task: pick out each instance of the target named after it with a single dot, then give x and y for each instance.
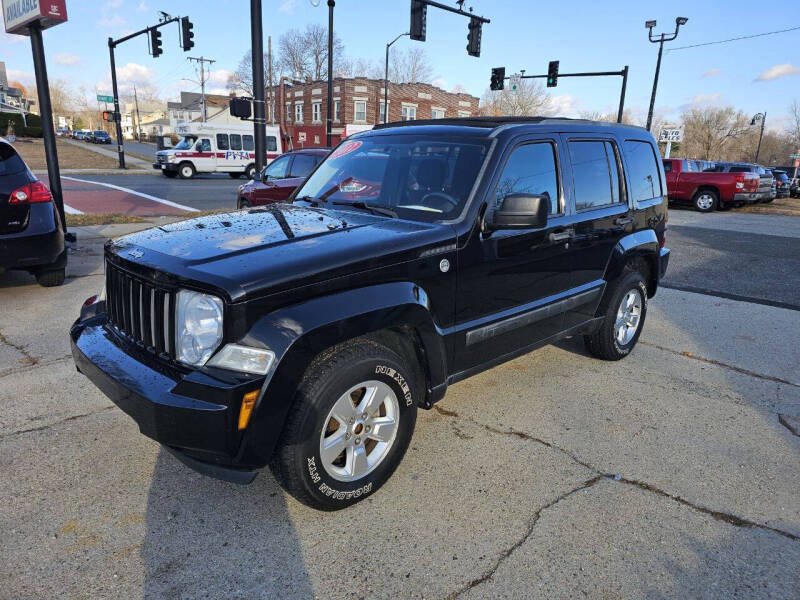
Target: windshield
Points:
(186, 143)
(419, 177)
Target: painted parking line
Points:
(72, 211)
(89, 196)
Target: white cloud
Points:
(13, 39)
(440, 82)
(287, 6)
(706, 99)
(142, 6)
(778, 71)
(564, 105)
(711, 73)
(112, 22)
(128, 76)
(113, 3)
(22, 77)
(67, 59)
(219, 77)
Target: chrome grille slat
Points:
(140, 310)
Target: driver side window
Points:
(277, 168)
(205, 145)
(531, 169)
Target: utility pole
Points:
(138, 117)
(763, 118)
(202, 61)
(660, 41)
(269, 77)
(257, 45)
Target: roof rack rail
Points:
(467, 121)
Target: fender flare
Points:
(299, 332)
(643, 244)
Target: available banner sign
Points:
(21, 14)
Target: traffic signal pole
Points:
(117, 120)
(259, 93)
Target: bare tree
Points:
(794, 124)
(709, 132)
(411, 66)
(530, 98)
(293, 52)
(241, 80)
(316, 43)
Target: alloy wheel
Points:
(629, 315)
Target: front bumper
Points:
(40, 243)
(165, 166)
(193, 413)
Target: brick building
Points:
(301, 108)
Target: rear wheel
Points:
(186, 170)
(250, 171)
(51, 278)
(350, 425)
(624, 307)
(705, 200)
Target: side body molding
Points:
(297, 333)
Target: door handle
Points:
(560, 236)
(623, 220)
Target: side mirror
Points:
(521, 211)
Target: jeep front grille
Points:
(141, 310)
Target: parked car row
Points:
(722, 185)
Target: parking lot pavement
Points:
(663, 475)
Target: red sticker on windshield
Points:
(345, 148)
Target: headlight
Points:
(243, 358)
(198, 327)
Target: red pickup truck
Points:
(708, 190)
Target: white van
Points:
(212, 148)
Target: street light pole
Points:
(329, 117)
(660, 41)
(386, 79)
(763, 118)
(257, 45)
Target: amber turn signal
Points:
(248, 402)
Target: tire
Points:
(243, 203)
(606, 342)
(170, 174)
(53, 278)
(186, 170)
(705, 201)
(335, 384)
(248, 172)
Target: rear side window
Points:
(247, 143)
(10, 162)
(642, 170)
(740, 170)
(595, 175)
(236, 141)
(272, 143)
(667, 166)
(222, 141)
(531, 169)
(302, 165)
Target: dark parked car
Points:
(88, 136)
(78, 135)
(280, 178)
(781, 183)
(100, 137)
(31, 235)
(306, 335)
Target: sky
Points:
(754, 75)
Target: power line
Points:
(744, 37)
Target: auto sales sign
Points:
(19, 15)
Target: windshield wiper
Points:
(375, 210)
(310, 199)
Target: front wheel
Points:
(186, 170)
(624, 308)
(350, 425)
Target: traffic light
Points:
(498, 75)
(110, 115)
(474, 37)
(187, 35)
(240, 107)
(552, 74)
(155, 42)
(419, 15)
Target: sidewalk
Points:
(130, 161)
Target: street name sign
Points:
(105, 98)
(19, 15)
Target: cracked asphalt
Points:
(671, 474)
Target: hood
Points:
(268, 249)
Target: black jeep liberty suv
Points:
(305, 336)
